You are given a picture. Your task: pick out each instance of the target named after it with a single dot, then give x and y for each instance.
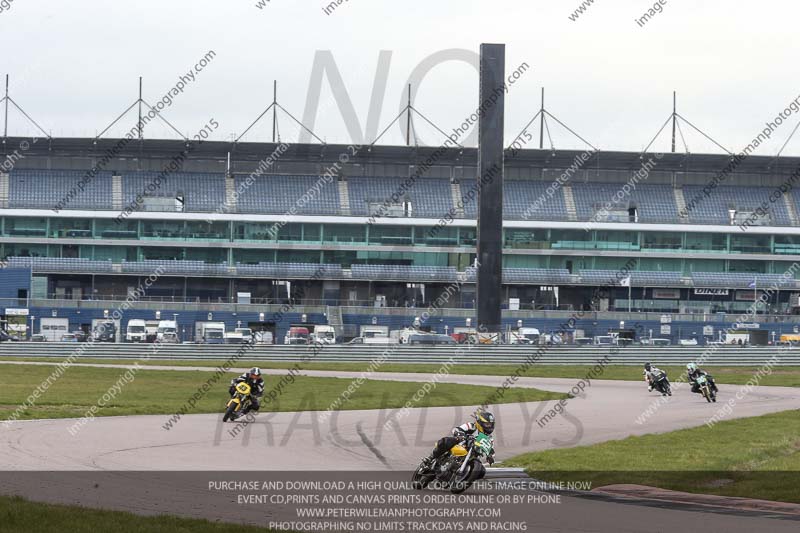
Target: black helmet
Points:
(255, 373)
(484, 421)
(647, 366)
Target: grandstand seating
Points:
(653, 203)
(429, 197)
(639, 278)
(302, 195)
(59, 264)
(201, 192)
(403, 272)
(290, 270)
(45, 189)
(714, 208)
(741, 280)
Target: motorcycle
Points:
(239, 401)
(661, 384)
(458, 469)
(705, 389)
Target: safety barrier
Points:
(466, 354)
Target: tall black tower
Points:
(490, 180)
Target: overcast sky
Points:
(74, 65)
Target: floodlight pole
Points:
(274, 108)
(541, 124)
(139, 124)
(408, 119)
(674, 119)
(5, 119)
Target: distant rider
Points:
(484, 423)
(693, 372)
(651, 375)
(252, 378)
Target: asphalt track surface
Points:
(361, 441)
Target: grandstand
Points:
(364, 237)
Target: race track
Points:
(358, 441)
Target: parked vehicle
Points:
(297, 335)
(38, 338)
(69, 337)
(209, 332)
(372, 340)
(430, 339)
(525, 336)
(247, 335)
(168, 331)
(136, 331)
(656, 342)
(104, 331)
(264, 337)
(323, 334)
(6, 336)
(234, 337)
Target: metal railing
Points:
(460, 354)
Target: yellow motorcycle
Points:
(458, 469)
(238, 403)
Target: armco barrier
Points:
(553, 355)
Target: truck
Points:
(136, 331)
(151, 330)
(323, 334)
(233, 337)
(209, 332)
(374, 331)
(297, 335)
(247, 335)
(264, 337)
(167, 331)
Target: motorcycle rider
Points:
(484, 423)
(651, 375)
(253, 378)
(693, 372)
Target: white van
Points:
(136, 331)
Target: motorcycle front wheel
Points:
(229, 412)
(420, 480)
(462, 482)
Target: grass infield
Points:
(787, 376)
(756, 457)
(166, 391)
(18, 515)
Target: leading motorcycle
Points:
(459, 468)
(237, 403)
(661, 384)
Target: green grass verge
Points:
(755, 457)
(18, 515)
(166, 391)
(788, 376)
